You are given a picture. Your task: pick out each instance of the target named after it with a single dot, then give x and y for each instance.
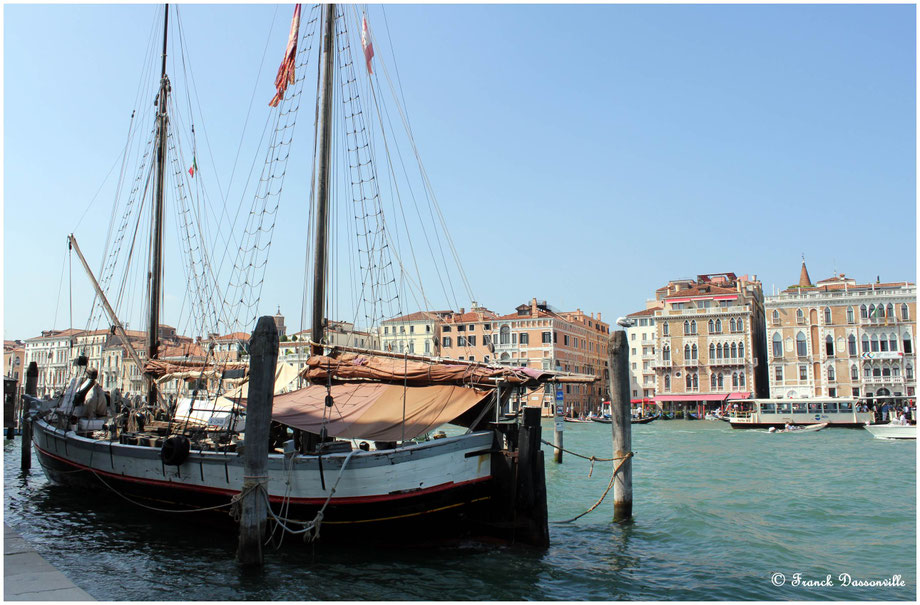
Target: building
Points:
(839, 338)
(467, 335)
(296, 349)
(14, 353)
(642, 338)
(416, 333)
(711, 342)
(52, 352)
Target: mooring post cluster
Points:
(31, 391)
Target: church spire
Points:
(804, 279)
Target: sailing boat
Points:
(351, 451)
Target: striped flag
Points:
(367, 45)
(286, 70)
(194, 168)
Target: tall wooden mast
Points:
(323, 132)
(156, 234)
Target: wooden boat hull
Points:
(445, 484)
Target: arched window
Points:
(909, 372)
(741, 379)
(908, 346)
(801, 345)
(687, 352)
(664, 329)
(731, 324)
(734, 351)
(865, 343)
(713, 382)
(893, 342)
(666, 353)
(800, 316)
(896, 371)
(872, 311)
(854, 372)
(693, 352)
(777, 345)
(734, 379)
(741, 350)
(883, 343)
(863, 312)
(905, 311)
(712, 351)
(850, 316)
(719, 326)
(867, 372)
(874, 343)
(712, 327)
(851, 344)
(876, 372)
(740, 325)
(689, 381)
(667, 382)
(889, 311)
(719, 350)
(827, 315)
(696, 381)
(686, 327)
(693, 326)
(775, 316)
(831, 374)
(829, 345)
(886, 372)
(504, 335)
(721, 381)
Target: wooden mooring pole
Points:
(531, 514)
(618, 362)
(559, 419)
(263, 351)
(32, 390)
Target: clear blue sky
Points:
(581, 154)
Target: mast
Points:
(156, 243)
(324, 129)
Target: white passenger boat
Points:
(764, 413)
(892, 431)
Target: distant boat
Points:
(811, 428)
(578, 420)
(632, 421)
(892, 431)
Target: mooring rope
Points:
(163, 510)
(622, 460)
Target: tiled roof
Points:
(644, 312)
(418, 316)
(471, 316)
(234, 336)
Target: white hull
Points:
(893, 431)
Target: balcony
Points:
(659, 364)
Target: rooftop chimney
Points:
(533, 307)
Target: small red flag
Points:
(194, 167)
(367, 45)
(286, 70)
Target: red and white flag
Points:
(367, 45)
(286, 71)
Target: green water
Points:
(718, 512)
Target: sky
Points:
(583, 155)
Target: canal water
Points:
(719, 514)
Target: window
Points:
(693, 326)
(863, 312)
(798, 407)
(777, 345)
(734, 379)
(664, 329)
(905, 311)
(829, 345)
(801, 345)
(666, 353)
(854, 372)
(827, 315)
(712, 327)
(445, 342)
(741, 350)
(850, 315)
(767, 408)
(851, 345)
(830, 407)
(731, 324)
(428, 328)
(504, 335)
(472, 358)
(874, 343)
(565, 339)
(713, 381)
(799, 316)
(386, 330)
(883, 343)
(893, 342)
(909, 372)
(461, 328)
(734, 351)
(461, 341)
(889, 310)
(471, 340)
(412, 329)
(486, 340)
(445, 329)
(831, 374)
(686, 327)
(667, 382)
(546, 338)
(778, 373)
(775, 316)
(693, 352)
(908, 348)
(719, 326)
(712, 351)
(686, 352)
(719, 351)
(525, 338)
(803, 372)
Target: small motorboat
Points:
(809, 428)
(577, 420)
(892, 431)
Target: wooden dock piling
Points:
(263, 351)
(531, 484)
(31, 390)
(618, 362)
(559, 426)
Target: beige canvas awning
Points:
(374, 411)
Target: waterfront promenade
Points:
(28, 577)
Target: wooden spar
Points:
(31, 390)
(156, 244)
(324, 138)
(72, 242)
(618, 362)
(263, 351)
